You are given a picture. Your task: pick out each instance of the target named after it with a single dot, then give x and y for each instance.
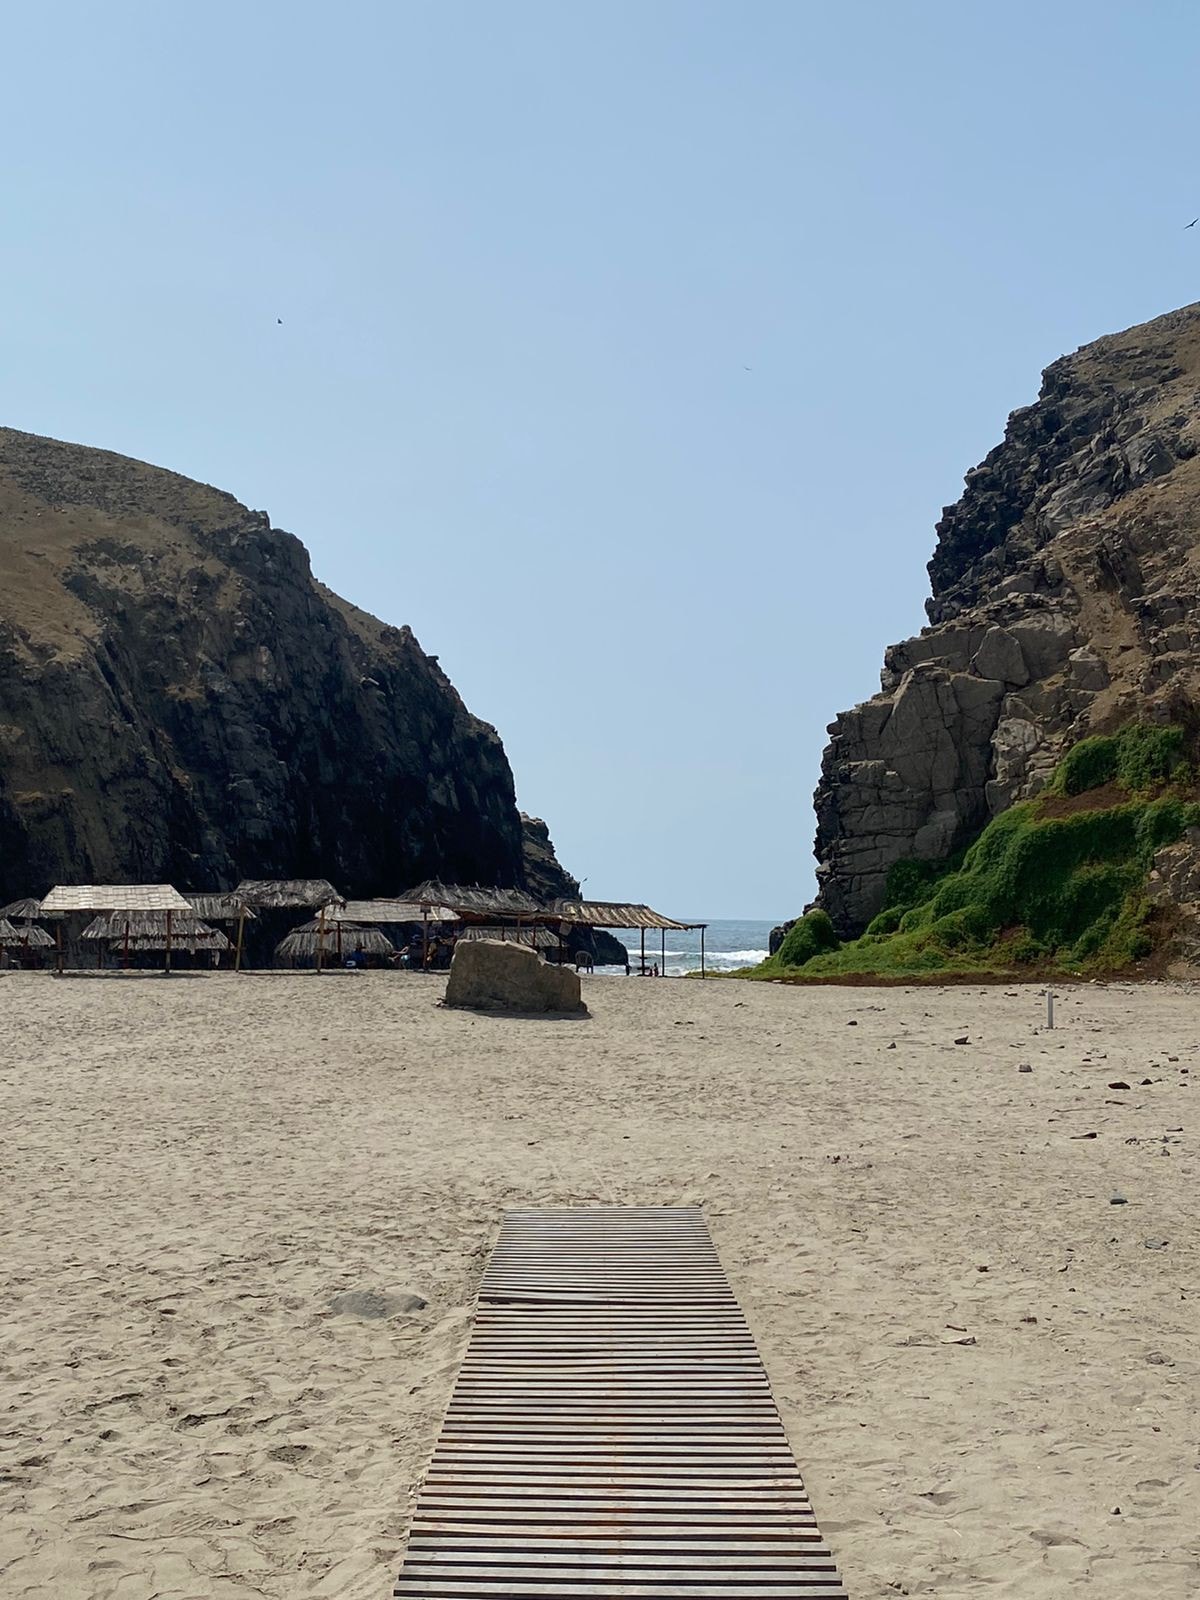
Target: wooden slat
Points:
(612, 1431)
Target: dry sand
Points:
(978, 1356)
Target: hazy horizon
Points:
(628, 354)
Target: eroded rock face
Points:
(487, 975)
(1064, 603)
(180, 701)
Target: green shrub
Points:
(805, 939)
(1140, 757)
(887, 921)
(1148, 756)
(1087, 765)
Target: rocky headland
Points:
(181, 701)
(1064, 605)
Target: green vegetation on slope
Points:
(1046, 882)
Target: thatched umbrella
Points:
(214, 939)
(18, 918)
(22, 911)
(150, 930)
(318, 940)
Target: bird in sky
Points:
(747, 369)
(1191, 224)
(279, 320)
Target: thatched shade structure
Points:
(146, 925)
(324, 941)
(287, 894)
(220, 907)
(626, 914)
(531, 938)
(114, 897)
(378, 912)
(473, 902)
(214, 939)
(22, 911)
(19, 916)
(8, 934)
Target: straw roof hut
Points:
(67, 897)
(332, 939)
(8, 934)
(475, 901)
(287, 894)
(192, 943)
(22, 911)
(31, 937)
(390, 912)
(531, 938)
(148, 925)
(613, 914)
(221, 907)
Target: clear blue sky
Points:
(524, 254)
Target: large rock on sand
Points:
(490, 975)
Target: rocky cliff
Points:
(1065, 585)
(181, 701)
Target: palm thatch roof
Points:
(214, 939)
(220, 907)
(379, 911)
(8, 934)
(31, 937)
(531, 938)
(148, 925)
(474, 900)
(303, 943)
(616, 914)
(287, 894)
(114, 897)
(22, 911)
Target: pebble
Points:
(1118, 1083)
(1024, 1067)
(1117, 1200)
(1156, 1244)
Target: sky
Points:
(628, 352)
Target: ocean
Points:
(727, 946)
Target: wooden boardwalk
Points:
(612, 1431)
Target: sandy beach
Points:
(978, 1356)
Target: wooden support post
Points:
(59, 957)
(320, 938)
(662, 968)
(169, 916)
(425, 931)
(702, 971)
(642, 961)
(125, 947)
(237, 960)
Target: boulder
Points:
(491, 975)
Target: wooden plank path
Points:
(612, 1430)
